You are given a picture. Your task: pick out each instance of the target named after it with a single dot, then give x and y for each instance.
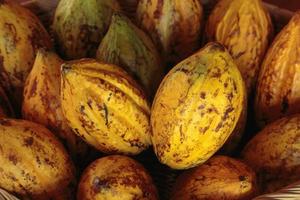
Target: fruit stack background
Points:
(164, 177)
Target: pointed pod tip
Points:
(65, 68)
(216, 46)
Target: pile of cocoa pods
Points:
(148, 99)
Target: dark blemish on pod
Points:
(89, 103)
(183, 70)
(216, 46)
(242, 178)
(226, 85)
(217, 73)
(230, 96)
(105, 114)
(201, 107)
(49, 162)
(99, 184)
(82, 108)
(202, 95)
(65, 68)
(224, 117)
(28, 141)
(204, 129)
(32, 92)
(13, 158)
(158, 11)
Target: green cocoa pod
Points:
(79, 26)
(129, 47)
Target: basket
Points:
(165, 177)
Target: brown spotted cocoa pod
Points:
(80, 25)
(116, 178)
(105, 107)
(244, 27)
(34, 164)
(278, 89)
(220, 178)
(199, 106)
(274, 153)
(21, 34)
(174, 26)
(42, 102)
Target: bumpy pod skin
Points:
(197, 107)
(220, 178)
(6, 109)
(80, 25)
(174, 26)
(127, 46)
(274, 153)
(244, 27)
(116, 178)
(42, 102)
(33, 162)
(278, 91)
(21, 34)
(105, 107)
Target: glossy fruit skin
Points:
(117, 178)
(220, 178)
(277, 92)
(105, 107)
(80, 25)
(21, 34)
(34, 164)
(273, 153)
(174, 26)
(244, 27)
(42, 102)
(199, 104)
(129, 47)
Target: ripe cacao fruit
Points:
(80, 25)
(42, 102)
(244, 27)
(116, 178)
(34, 164)
(274, 153)
(174, 26)
(21, 34)
(278, 90)
(220, 178)
(197, 108)
(105, 107)
(130, 48)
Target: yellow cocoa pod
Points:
(42, 102)
(220, 178)
(278, 90)
(80, 25)
(21, 34)
(34, 164)
(105, 106)
(274, 153)
(174, 26)
(116, 178)
(6, 109)
(197, 107)
(244, 27)
(129, 47)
